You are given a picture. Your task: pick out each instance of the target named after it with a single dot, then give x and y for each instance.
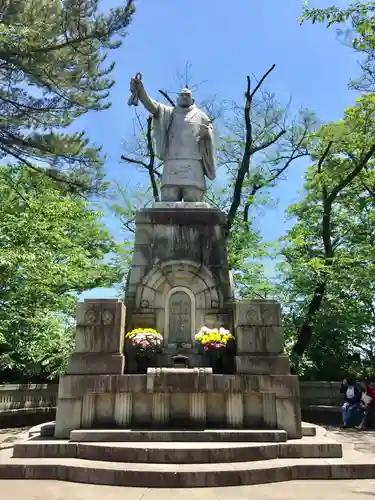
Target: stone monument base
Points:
(179, 399)
(97, 393)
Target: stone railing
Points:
(320, 394)
(17, 396)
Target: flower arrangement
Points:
(146, 341)
(213, 338)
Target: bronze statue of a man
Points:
(184, 140)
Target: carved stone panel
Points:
(179, 318)
(100, 326)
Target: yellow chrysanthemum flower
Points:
(142, 330)
(206, 335)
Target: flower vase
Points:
(215, 357)
(143, 362)
(231, 347)
(229, 358)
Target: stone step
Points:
(308, 430)
(227, 435)
(48, 429)
(178, 453)
(187, 475)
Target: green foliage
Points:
(52, 56)
(245, 253)
(360, 14)
(358, 21)
(329, 250)
(52, 248)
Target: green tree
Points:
(328, 274)
(52, 61)
(52, 248)
(359, 14)
(355, 24)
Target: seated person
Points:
(368, 401)
(352, 400)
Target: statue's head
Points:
(185, 98)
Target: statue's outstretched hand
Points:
(136, 84)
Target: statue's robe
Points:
(186, 161)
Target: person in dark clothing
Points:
(368, 401)
(352, 400)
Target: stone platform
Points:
(179, 436)
(190, 464)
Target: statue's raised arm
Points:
(139, 93)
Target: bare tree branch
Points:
(257, 87)
(246, 158)
(134, 160)
(151, 165)
(268, 143)
(164, 94)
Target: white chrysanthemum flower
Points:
(224, 331)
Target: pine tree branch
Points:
(95, 35)
(73, 185)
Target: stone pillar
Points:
(198, 408)
(160, 408)
(269, 411)
(68, 417)
(88, 411)
(235, 409)
(98, 351)
(123, 409)
(289, 416)
(99, 338)
(259, 338)
(259, 341)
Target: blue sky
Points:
(224, 42)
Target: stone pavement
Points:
(9, 436)
(294, 490)
(359, 441)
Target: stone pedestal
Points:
(98, 350)
(179, 279)
(178, 282)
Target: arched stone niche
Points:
(179, 316)
(196, 289)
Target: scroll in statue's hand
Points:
(136, 84)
